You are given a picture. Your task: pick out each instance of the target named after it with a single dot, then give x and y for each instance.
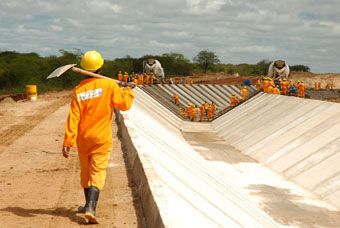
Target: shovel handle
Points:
(88, 73)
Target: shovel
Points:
(60, 70)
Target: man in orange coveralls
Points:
(244, 93)
(258, 84)
(175, 98)
(89, 128)
(202, 109)
(233, 100)
(189, 110)
(210, 112)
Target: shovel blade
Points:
(59, 71)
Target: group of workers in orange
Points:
(138, 79)
(286, 87)
(318, 85)
(192, 111)
(283, 87)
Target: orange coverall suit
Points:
(210, 113)
(202, 109)
(140, 80)
(265, 85)
(126, 76)
(120, 77)
(194, 111)
(147, 77)
(270, 90)
(276, 91)
(297, 85)
(213, 106)
(258, 85)
(89, 126)
(244, 94)
(152, 77)
(233, 101)
(189, 111)
(302, 89)
(176, 99)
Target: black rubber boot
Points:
(81, 209)
(90, 209)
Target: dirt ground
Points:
(227, 79)
(40, 188)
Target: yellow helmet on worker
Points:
(233, 94)
(92, 61)
(245, 87)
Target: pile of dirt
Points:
(7, 100)
(215, 79)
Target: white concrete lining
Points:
(299, 141)
(182, 189)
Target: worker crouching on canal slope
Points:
(89, 128)
(233, 100)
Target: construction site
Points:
(271, 161)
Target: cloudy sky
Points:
(239, 31)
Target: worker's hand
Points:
(66, 151)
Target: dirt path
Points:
(40, 188)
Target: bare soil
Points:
(40, 188)
(235, 79)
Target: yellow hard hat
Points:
(277, 86)
(245, 87)
(298, 80)
(92, 61)
(233, 94)
(302, 81)
(284, 79)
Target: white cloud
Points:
(56, 28)
(254, 49)
(177, 35)
(166, 46)
(130, 27)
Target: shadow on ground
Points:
(289, 209)
(60, 211)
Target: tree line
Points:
(20, 69)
